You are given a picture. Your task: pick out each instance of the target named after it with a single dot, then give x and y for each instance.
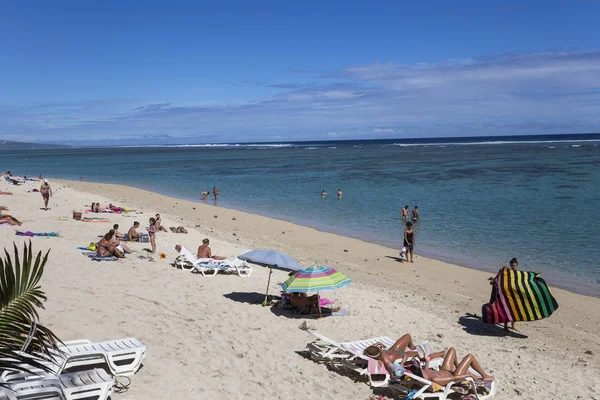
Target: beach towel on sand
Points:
(92, 255)
(95, 219)
(31, 234)
(518, 296)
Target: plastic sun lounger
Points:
(122, 357)
(350, 355)
(424, 388)
(211, 267)
(93, 384)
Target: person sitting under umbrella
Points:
(309, 304)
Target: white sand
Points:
(209, 338)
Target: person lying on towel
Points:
(9, 219)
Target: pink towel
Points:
(376, 367)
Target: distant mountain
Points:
(7, 144)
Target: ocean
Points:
(482, 200)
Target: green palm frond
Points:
(23, 340)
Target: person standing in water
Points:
(340, 194)
(324, 193)
(415, 214)
(46, 192)
(409, 240)
(215, 192)
(405, 213)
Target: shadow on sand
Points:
(473, 324)
(397, 259)
(250, 297)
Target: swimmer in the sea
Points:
(405, 213)
(415, 214)
(324, 193)
(340, 194)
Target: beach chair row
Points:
(121, 357)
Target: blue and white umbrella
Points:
(272, 259)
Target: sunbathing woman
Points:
(450, 371)
(152, 234)
(105, 248)
(9, 219)
(397, 352)
(157, 224)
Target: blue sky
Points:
(175, 72)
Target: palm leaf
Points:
(25, 344)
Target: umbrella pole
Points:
(319, 304)
(268, 283)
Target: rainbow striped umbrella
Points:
(315, 279)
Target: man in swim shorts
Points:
(46, 192)
(415, 214)
(205, 252)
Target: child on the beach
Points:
(152, 234)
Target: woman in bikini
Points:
(106, 248)
(452, 371)
(157, 224)
(396, 352)
(152, 234)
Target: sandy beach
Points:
(209, 337)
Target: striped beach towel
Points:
(518, 296)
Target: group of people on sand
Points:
(401, 355)
(97, 208)
(340, 194)
(111, 244)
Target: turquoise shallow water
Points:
(482, 202)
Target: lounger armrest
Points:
(77, 342)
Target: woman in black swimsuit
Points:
(409, 240)
(105, 248)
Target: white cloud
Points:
(542, 92)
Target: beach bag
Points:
(144, 238)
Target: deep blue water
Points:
(482, 200)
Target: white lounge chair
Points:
(94, 384)
(122, 357)
(416, 387)
(211, 267)
(350, 355)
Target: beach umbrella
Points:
(315, 279)
(271, 259)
